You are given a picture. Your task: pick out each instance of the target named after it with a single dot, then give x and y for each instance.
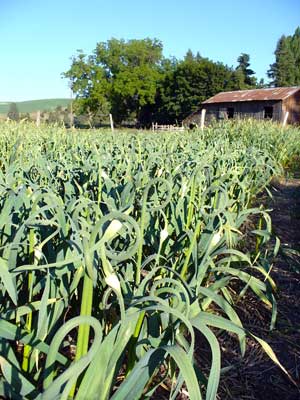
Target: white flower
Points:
(184, 188)
(163, 235)
(216, 238)
(37, 253)
(112, 230)
(159, 172)
(113, 281)
(104, 174)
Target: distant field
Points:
(35, 105)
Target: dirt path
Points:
(257, 378)
(285, 340)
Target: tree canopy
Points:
(135, 82)
(188, 84)
(246, 74)
(285, 71)
(119, 76)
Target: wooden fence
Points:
(156, 127)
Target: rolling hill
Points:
(31, 106)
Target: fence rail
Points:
(156, 127)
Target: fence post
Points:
(203, 111)
(286, 115)
(71, 115)
(38, 118)
(111, 122)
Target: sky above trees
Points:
(39, 38)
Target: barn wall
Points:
(292, 105)
(192, 119)
(253, 109)
(247, 109)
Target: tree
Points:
(13, 112)
(132, 80)
(119, 77)
(262, 84)
(189, 56)
(247, 73)
(295, 47)
(186, 85)
(285, 71)
(91, 84)
(238, 80)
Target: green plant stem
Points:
(258, 238)
(84, 330)
(132, 344)
(28, 324)
(191, 204)
(140, 249)
(86, 309)
(189, 251)
(27, 347)
(99, 184)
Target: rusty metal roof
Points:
(279, 93)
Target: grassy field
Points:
(35, 105)
(119, 250)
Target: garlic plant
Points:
(114, 247)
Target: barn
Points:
(281, 104)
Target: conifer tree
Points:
(285, 71)
(248, 74)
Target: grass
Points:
(123, 247)
(32, 106)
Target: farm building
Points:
(277, 104)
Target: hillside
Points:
(31, 106)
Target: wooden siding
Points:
(247, 109)
(292, 105)
(282, 100)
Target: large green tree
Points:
(191, 81)
(119, 77)
(285, 71)
(132, 80)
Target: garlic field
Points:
(117, 250)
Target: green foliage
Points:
(120, 77)
(248, 80)
(195, 79)
(121, 248)
(60, 116)
(133, 81)
(190, 82)
(286, 69)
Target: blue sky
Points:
(38, 37)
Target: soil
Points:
(256, 377)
